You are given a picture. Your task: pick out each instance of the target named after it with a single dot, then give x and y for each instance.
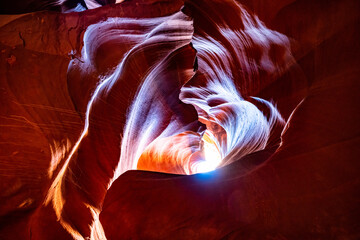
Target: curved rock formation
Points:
(106, 112)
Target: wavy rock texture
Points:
(264, 91)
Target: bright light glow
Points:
(211, 152)
(206, 166)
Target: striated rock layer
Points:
(96, 104)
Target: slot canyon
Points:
(179, 119)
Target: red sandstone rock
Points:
(306, 188)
